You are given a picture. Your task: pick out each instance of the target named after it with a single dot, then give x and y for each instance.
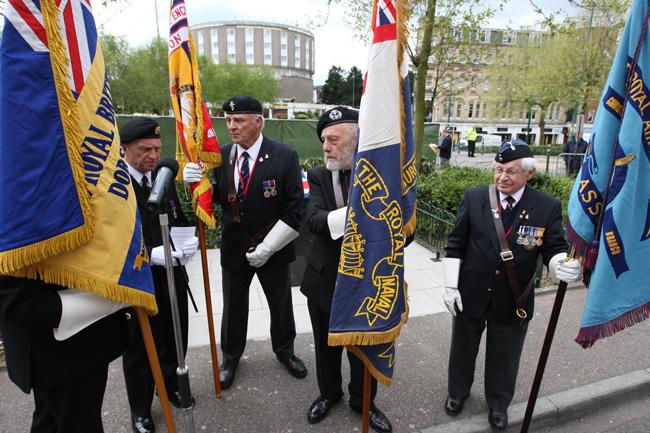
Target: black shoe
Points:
(142, 424)
(454, 406)
(378, 420)
(175, 399)
(295, 366)
(227, 373)
(319, 409)
(498, 420)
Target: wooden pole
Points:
(152, 354)
(208, 307)
(543, 356)
(365, 417)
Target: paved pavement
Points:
(581, 387)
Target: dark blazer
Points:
(483, 280)
(319, 278)
(29, 309)
(276, 162)
(445, 147)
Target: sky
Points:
(335, 42)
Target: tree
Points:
(221, 81)
(334, 89)
(354, 87)
(444, 28)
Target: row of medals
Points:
(530, 237)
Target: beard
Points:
(343, 162)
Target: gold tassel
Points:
(381, 378)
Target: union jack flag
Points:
(78, 32)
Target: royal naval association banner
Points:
(370, 301)
(68, 214)
(195, 137)
(609, 207)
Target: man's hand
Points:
(192, 172)
(260, 256)
(158, 256)
(190, 247)
(277, 238)
(562, 268)
(451, 298)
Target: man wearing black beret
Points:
(141, 143)
(492, 252)
(259, 187)
(328, 194)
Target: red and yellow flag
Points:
(195, 138)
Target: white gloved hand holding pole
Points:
(561, 268)
(276, 239)
(157, 256)
(81, 309)
(192, 172)
(451, 296)
(190, 247)
(336, 222)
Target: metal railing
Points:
(568, 164)
(432, 228)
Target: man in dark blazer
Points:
(328, 191)
(63, 360)
(259, 187)
(477, 276)
(141, 142)
(444, 148)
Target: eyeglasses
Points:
(511, 172)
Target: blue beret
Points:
(512, 150)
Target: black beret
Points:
(140, 127)
(512, 150)
(242, 105)
(336, 115)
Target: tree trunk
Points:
(421, 78)
(542, 124)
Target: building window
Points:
(508, 38)
(470, 110)
(283, 49)
(478, 110)
(484, 109)
(307, 54)
(214, 42)
(484, 36)
(459, 107)
(250, 46)
(232, 49)
(201, 44)
(296, 55)
(268, 41)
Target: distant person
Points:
(471, 141)
(574, 146)
(444, 148)
(500, 232)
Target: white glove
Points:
(279, 237)
(451, 297)
(336, 222)
(450, 272)
(190, 247)
(81, 309)
(192, 172)
(158, 256)
(564, 269)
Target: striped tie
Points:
(243, 177)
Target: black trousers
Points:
(137, 372)
(504, 344)
(328, 363)
(234, 322)
(73, 407)
(471, 147)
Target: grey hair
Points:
(528, 164)
(263, 120)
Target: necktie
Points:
(507, 211)
(243, 176)
(145, 185)
(511, 202)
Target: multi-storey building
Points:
(461, 99)
(289, 50)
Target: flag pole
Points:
(543, 356)
(149, 345)
(208, 307)
(365, 417)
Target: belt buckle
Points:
(506, 256)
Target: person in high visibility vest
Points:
(471, 141)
